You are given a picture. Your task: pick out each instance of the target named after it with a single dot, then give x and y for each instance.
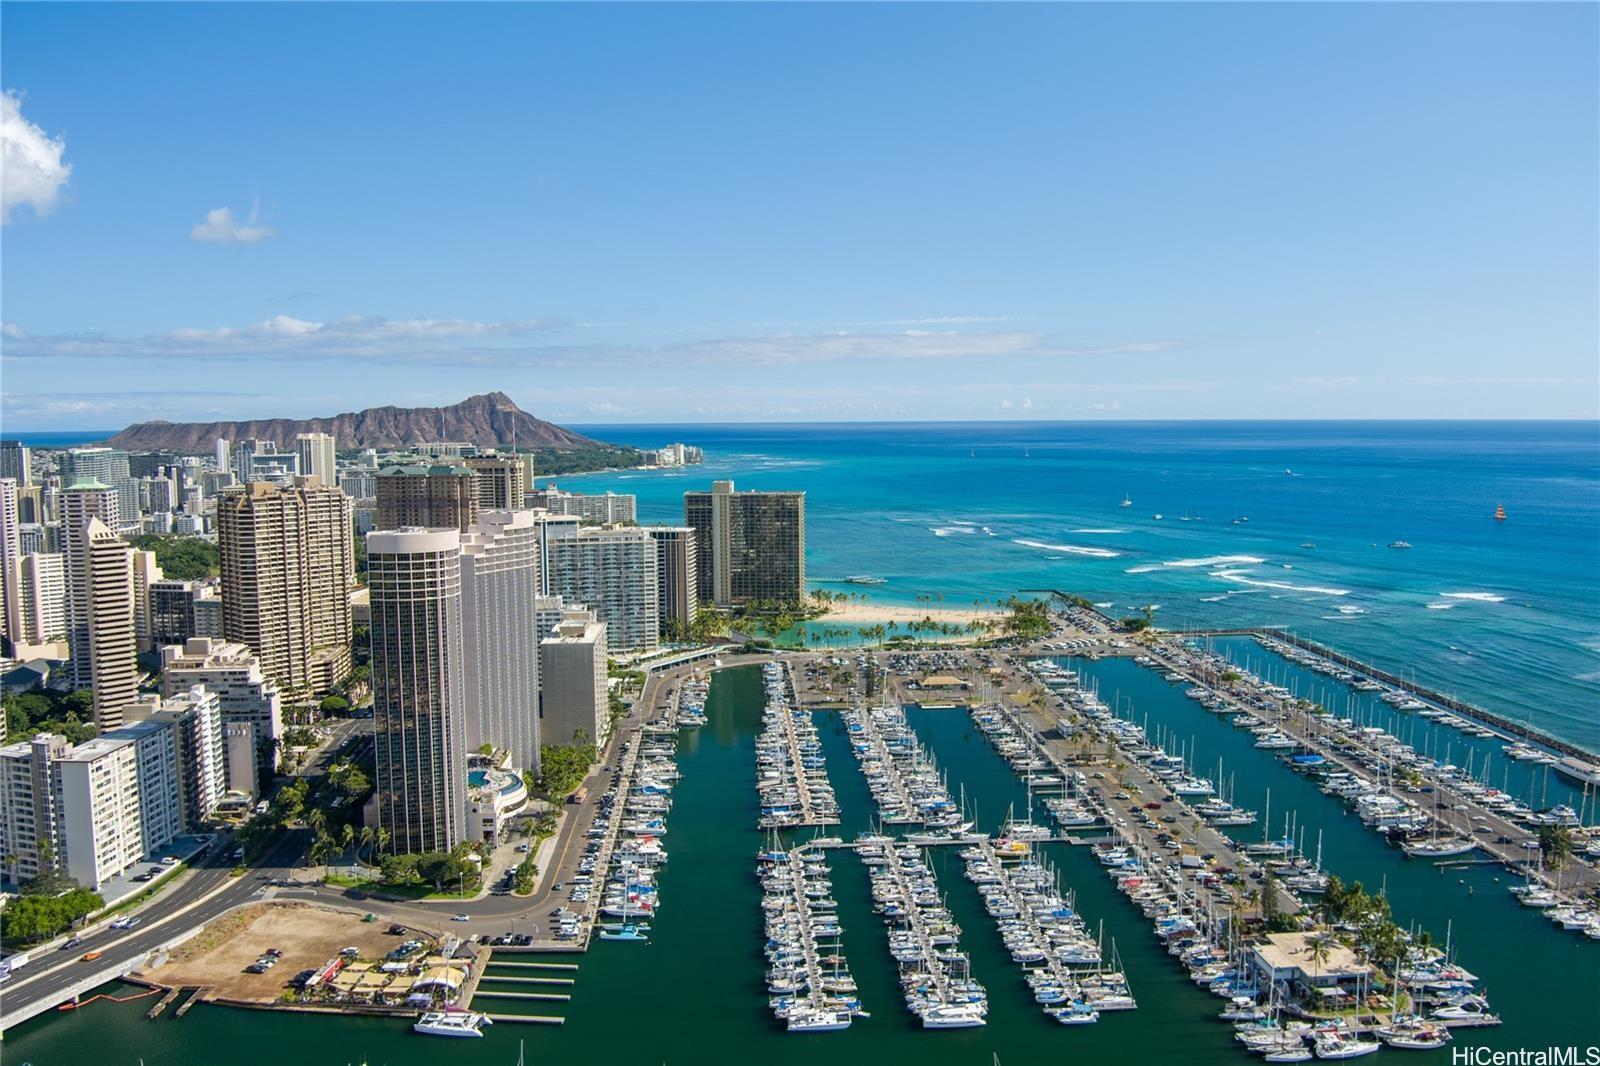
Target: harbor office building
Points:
(1289, 963)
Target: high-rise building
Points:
(35, 537)
(497, 482)
(677, 594)
(171, 611)
(28, 805)
(426, 497)
(213, 482)
(572, 668)
(82, 501)
(359, 483)
(16, 462)
(317, 456)
(288, 562)
(113, 646)
(500, 634)
(10, 556)
(30, 504)
(157, 494)
(120, 797)
(247, 700)
(414, 576)
(612, 570)
(604, 507)
(40, 579)
(749, 545)
(146, 572)
(224, 455)
(109, 466)
(277, 468)
(548, 612)
(101, 807)
(552, 528)
(195, 718)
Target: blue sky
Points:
(729, 213)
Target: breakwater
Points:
(1449, 703)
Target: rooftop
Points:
(1292, 951)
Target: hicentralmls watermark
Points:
(1544, 1056)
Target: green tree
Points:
(181, 558)
(1556, 840)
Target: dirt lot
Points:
(308, 935)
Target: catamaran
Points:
(452, 1023)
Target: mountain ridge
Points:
(488, 420)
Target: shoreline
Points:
(876, 613)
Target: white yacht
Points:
(452, 1023)
(817, 1020)
(953, 1016)
(1439, 849)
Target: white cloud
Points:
(459, 342)
(220, 227)
(31, 170)
(11, 329)
(410, 340)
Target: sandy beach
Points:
(874, 613)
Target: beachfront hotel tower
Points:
(418, 686)
(749, 545)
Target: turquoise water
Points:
(1505, 614)
(695, 993)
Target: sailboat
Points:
(1127, 501)
(1499, 512)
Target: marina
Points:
(714, 763)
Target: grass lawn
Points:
(423, 893)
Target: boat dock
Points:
(813, 991)
(791, 771)
(1450, 703)
(900, 773)
(1381, 764)
(608, 843)
(527, 1019)
(1038, 926)
(163, 1003)
(199, 995)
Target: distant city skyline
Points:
(649, 214)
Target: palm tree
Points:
(347, 836)
(382, 838)
(1318, 949)
(317, 820)
(320, 848)
(367, 837)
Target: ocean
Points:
(1503, 614)
(1288, 524)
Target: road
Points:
(205, 894)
